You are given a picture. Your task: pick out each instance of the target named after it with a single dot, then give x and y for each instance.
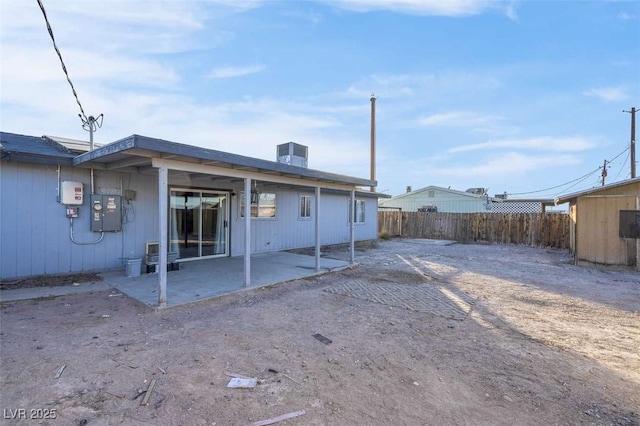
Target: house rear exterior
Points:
(64, 210)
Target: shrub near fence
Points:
(531, 229)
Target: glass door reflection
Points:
(199, 223)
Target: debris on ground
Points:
(147, 395)
(279, 418)
(238, 382)
(323, 339)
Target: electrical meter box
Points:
(72, 193)
(106, 213)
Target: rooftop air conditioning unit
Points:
(293, 154)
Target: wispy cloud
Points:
(545, 143)
(510, 11)
(419, 7)
(607, 94)
(310, 16)
(411, 85)
(509, 163)
(123, 26)
(626, 16)
(230, 72)
(494, 171)
(457, 119)
(479, 123)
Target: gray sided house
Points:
(63, 210)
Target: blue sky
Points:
(512, 96)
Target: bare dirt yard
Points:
(421, 334)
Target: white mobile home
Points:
(63, 210)
(437, 199)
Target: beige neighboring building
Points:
(604, 223)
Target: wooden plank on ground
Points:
(279, 418)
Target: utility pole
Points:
(373, 139)
(633, 142)
(604, 171)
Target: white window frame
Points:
(358, 206)
(256, 209)
(304, 207)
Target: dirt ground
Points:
(50, 281)
(487, 335)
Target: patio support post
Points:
(317, 217)
(163, 209)
(352, 229)
(247, 232)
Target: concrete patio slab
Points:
(204, 279)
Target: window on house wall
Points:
(263, 204)
(431, 194)
(358, 211)
(305, 206)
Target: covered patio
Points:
(238, 176)
(208, 278)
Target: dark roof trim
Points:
(173, 148)
(36, 158)
(568, 197)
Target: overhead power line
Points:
(581, 178)
(64, 68)
(622, 166)
(623, 151)
(574, 181)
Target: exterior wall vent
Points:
(293, 154)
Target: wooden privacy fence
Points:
(531, 229)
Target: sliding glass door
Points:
(199, 223)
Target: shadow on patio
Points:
(204, 279)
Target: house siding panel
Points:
(9, 175)
(141, 215)
(37, 231)
(288, 231)
(35, 236)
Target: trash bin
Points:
(133, 267)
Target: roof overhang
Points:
(568, 197)
(140, 153)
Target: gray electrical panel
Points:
(106, 213)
